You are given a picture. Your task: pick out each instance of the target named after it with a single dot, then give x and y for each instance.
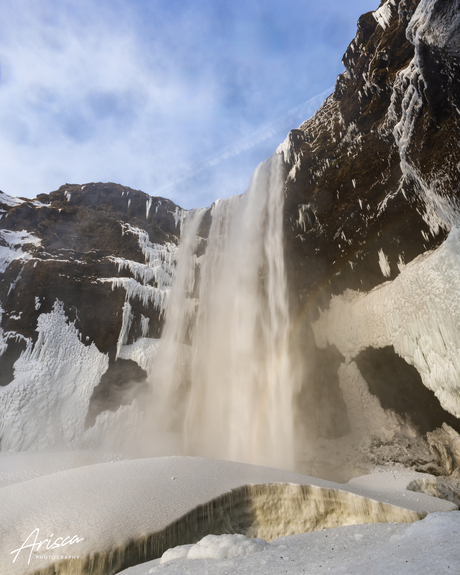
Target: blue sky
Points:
(179, 99)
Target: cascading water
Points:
(235, 399)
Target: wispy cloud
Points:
(140, 91)
(273, 129)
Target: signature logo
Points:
(34, 545)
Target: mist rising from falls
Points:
(223, 379)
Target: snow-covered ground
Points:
(63, 509)
(427, 547)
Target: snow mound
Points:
(216, 547)
(175, 553)
(427, 547)
(223, 546)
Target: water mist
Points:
(223, 382)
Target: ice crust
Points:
(418, 313)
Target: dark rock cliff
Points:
(71, 245)
(374, 180)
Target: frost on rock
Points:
(384, 264)
(435, 27)
(384, 13)
(429, 26)
(46, 404)
(418, 314)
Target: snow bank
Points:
(418, 313)
(130, 511)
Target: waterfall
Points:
(223, 380)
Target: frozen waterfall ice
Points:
(222, 378)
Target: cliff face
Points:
(69, 243)
(376, 164)
(372, 190)
(91, 266)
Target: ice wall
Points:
(418, 314)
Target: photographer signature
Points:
(35, 545)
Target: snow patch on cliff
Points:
(9, 200)
(141, 351)
(418, 313)
(13, 243)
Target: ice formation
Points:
(384, 13)
(239, 402)
(153, 279)
(46, 403)
(418, 314)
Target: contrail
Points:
(302, 111)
